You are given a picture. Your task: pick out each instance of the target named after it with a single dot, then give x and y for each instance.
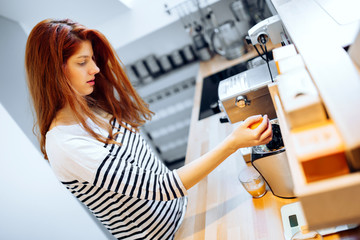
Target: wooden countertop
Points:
(219, 207)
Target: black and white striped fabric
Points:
(125, 186)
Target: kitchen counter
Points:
(219, 207)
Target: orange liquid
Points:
(258, 192)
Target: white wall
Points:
(162, 41)
(13, 89)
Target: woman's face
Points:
(81, 69)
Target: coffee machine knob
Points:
(241, 101)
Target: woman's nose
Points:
(94, 68)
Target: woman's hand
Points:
(244, 136)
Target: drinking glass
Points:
(252, 181)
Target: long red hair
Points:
(49, 46)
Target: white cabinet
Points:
(321, 41)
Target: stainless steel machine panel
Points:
(247, 94)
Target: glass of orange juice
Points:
(252, 181)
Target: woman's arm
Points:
(242, 136)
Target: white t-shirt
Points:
(126, 187)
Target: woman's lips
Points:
(91, 82)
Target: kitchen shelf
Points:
(169, 79)
(170, 97)
(333, 201)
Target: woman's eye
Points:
(82, 63)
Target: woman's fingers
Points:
(264, 124)
(245, 136)
(251, 120)
(267, 139)
(262, 128)
(264, 131)
(268, 132)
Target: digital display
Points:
(293, 221)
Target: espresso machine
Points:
(246, 94)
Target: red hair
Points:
(49, 46)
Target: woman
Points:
(88, 117)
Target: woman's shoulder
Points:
(103, 114)
(63, 125)
(61, 131)
(73, 152)
(66, 134)
(63, 118)
(67, 141)
(61, 137)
